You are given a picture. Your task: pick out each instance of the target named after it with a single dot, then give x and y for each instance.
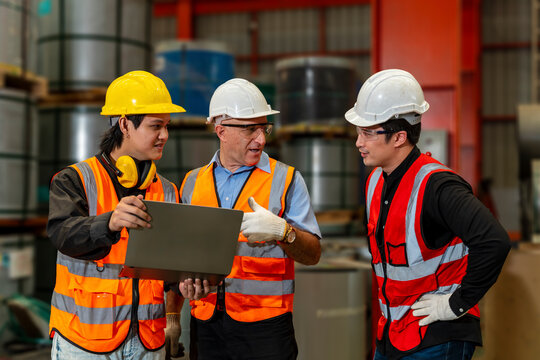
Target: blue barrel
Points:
(192, 71)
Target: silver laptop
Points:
(185, 241)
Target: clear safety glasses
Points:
(370, 134)
(251, 130)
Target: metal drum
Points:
(186, 150)
(18, 36)
(315, 89)
(87, 43)
(18, 147)
(192, 71)
(331, 168)
(330, 313)
(68, 134)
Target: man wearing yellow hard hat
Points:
(96, 313)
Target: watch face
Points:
(291, 237)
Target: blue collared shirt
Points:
(298, 211)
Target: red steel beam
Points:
(360, 52)
(220, 6)
(184, 19)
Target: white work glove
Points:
(173, 349)
(261, 224)
(434, 307)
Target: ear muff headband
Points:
(148, 175)
(130, 173)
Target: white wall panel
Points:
(348, 27)
(232, 29)
(288, 31)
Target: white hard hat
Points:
(385, 95)
(238, 99)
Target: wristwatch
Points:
(290, 235)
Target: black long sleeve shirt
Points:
(450, 209)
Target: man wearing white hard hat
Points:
(436, 250)
(249, 316)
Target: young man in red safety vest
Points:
(249, 316)
(436, 250)
(96, 313)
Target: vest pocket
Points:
(397, 254)
(94, 307)
(274, 266)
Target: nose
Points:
(359, 141)
(164, 134)
(260, 136)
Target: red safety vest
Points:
(261, 282)
(91, 303)
(410, 268)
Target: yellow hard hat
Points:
(138, 92)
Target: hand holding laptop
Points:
(194, 290)
(130, 212)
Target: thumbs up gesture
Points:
(262, 224)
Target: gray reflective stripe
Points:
(256, 287)
(414, 254)
(423, 269)
(150, 311)
(189, 185)
(168, 190)
(261, 250)
(371, 188)
(90, 186)
(95, 316)
(88, 268)
(397, 312)
(278, 187)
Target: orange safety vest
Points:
(261, 282)
(91, 303)
(409, 268)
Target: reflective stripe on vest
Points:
(189, 185)
(255, 287)
(373, 180)
(420, 270)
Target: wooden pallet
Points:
(338, 217)
(183, 121)
(36, 225)
(14, 78)
(327, 131)
(91, 96)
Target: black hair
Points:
(396, 125)
(112, 138)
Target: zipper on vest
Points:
(135, 306)
(220, 302)
(380, 245)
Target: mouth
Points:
(254, 151)
(160, 146)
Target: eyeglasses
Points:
(251, 129)
(369, 134)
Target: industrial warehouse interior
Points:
(477, 62)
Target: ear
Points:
(123, 124)
(220, 132)
(400, 139)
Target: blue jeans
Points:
(131, 349)
(453, 350)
